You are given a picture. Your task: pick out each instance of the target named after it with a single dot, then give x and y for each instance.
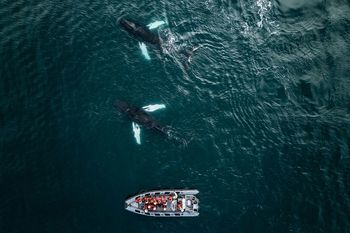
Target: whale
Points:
(141, 117)
(140, 32)
(144, 34)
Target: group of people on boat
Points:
(160, 203)
(153, 203)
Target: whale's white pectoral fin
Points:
(144, 50)
(153, 107)
(137, 132)
(156, 24)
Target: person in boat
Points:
(179, 206)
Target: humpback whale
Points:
(141, 32)
(139, 116)
(144, 34)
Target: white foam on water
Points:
(137, 132)
(144, 50)
(264, 7)
(264, 11)
(170, 45)
(246, 29)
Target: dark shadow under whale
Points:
(141, 32)
(140, 116)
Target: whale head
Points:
(122, 106)
(128, 25)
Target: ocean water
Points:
(263, 109)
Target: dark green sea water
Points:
(264, 107)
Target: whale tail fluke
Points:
(174, 136)
(190, 54)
